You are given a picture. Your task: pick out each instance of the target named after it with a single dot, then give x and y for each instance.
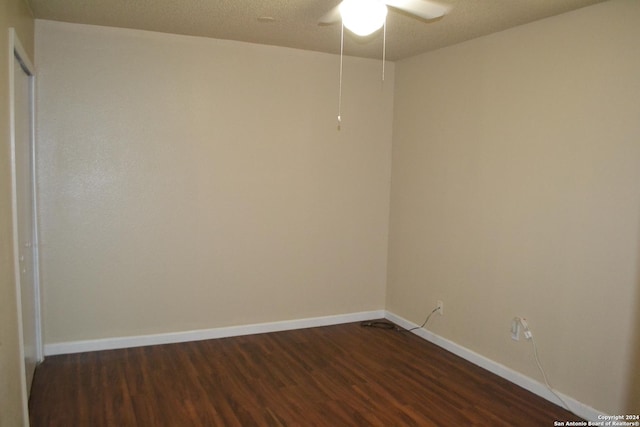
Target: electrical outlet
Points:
(440, 308)
(527, 332)
(515, 329)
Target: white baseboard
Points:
(577, 407)
(205, 334)
(517, 378)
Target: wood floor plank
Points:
(344, 375)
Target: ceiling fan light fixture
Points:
(363, 17)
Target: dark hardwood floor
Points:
(344, 375)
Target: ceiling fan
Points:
(364, 17)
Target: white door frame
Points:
(17, 53)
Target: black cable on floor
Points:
(381, 324)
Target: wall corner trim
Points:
(577, 407)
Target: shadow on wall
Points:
(633, 394)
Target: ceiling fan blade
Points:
(425, 9)
(331, 17)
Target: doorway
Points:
(24, 207)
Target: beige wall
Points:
(190, 183)
(16, 14)
(516, 192)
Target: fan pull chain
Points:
(340, 86)
(384, 45)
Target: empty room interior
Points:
(192, 186)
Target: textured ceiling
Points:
(293, 23)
